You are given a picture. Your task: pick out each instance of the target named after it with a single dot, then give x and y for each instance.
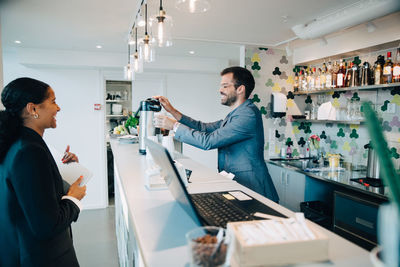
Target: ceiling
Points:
(83, 24)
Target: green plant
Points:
(131, 122)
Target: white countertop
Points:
(160, 224)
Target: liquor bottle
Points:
(323, 76)
(340, 75)
(296, 82)
(328, 83)
(396, 67)
(387, 69)
(317, 77)
(335, 71)
(304, 82)
(311, 85)
(378, 71)
(300, 81)
(348, 76)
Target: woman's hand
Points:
(69, 156)
(77, 191)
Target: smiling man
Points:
(239, 137)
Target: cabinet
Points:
(290, 186)
(118, 102)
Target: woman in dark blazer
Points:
(35, 212)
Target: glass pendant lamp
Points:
(128, 68)
(146, 48)
(137, 64)
(161, 28)
(193, 6)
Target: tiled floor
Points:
(94, 238)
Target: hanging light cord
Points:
(136, 39)
(145, 16)
(161, 8)
(129, 54)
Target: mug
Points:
(168, 143)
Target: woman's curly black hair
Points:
(14, 97)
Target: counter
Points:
(151, 226)
(341, 178)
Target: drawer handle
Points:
(365, 223)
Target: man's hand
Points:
(69, 156)
(77, 191)
(165, 122)
(168, 107)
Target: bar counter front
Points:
(151, 226)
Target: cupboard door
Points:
(295, 184)
(277, 175)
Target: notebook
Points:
(216, 208)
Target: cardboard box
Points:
(277, 253)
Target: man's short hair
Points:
(241, 76)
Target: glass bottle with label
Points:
(311, 85)
(377, 72)
(396, 67)
(304, 81)
(335, 71)
(317, 77)
(323, 76)
(387, 69)
(328, 76)
(296, 82)
(341, 75)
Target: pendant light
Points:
(161, 27)
(137, 60)
(193, 6)
(146, 48)
(127, 68)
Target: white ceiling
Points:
(83, 24)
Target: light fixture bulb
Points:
(161, 29)
(146, 50)
(137, 63)
(128, 72)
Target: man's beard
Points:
(230, 99)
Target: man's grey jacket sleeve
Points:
(236, 128)
(200, 126)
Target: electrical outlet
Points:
(391, 108)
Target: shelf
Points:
(116, 116)
(330, 121)
(360, 88)
(115, 101)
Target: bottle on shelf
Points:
(335, 71)
(323, 76)
(317, 79)
(378, 70)
(341, 75)
(328, 76)
(296, 82)
(387, 69)
(396, 67)
(308, 78)
(347, 77)
(304, 81)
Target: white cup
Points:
(168, 143)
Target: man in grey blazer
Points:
(239, 137)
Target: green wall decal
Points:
(340, 133)
(354, 134)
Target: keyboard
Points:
(216, 210)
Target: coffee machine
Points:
(146, 128)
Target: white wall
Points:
(76, 89)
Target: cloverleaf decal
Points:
(328, 140)
(256, 66)
(336, 95)
(255, 58)
(263, 110)
(395, 122)
(386, 127)
(282, 122)
(346, 146)
(355, 97)
(270, 52)
(301, 142)
(277, 71)
(255, 99)
(290, 95)
(296, 69)
(302, 126)
(289, 142)
(347, 129)
(357, 60)
(290, 80)
(307, 130)
(269, 114)
(276, 87)
(247, 61)
(266, 147)
(255, 74)
(323, 135)
(263, 48)
(353, 151)
(308, 100)
(284, 60)
(329, 125)
(336, 103)
(283, 76)
(281, 138)
(394, 154)
(277, 134)
(385, 105)
(295, 153)
(340, 133)
(353, 143)
(396, 100)
(354, 134)
(295, 129)
(395, 91)
(333, 145)
(269, 83)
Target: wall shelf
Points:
(331, 121)
(360, 88)
(116, 101)
(115, 116)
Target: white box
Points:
(278, 253)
